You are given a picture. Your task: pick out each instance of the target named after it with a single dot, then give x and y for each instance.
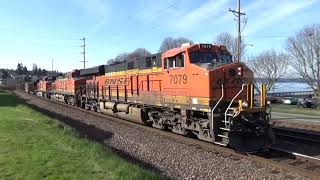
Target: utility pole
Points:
(52, 65)
(238, 15)
(84, 52)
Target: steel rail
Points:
(305, 136)
(297, 156)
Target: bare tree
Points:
(270, 66)
(139, 53)
(121, 57)
(181, 40)
(4, 74)
(304, 49)
(226, 39)
(170, 43)
(136, 54)
(19, 68)
(110, 61)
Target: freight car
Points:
(193, 89)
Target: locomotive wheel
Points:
(83, 105)
(179, 130)
(98, 109)
(94, 108)
(205, 136)
(158, 124)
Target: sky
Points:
(37, 31)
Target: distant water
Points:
(291, 87)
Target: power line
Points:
(158, 12)
(161, 11)
(270, 36)
(180, 15)
(84, 53)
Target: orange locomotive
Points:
(44, 86)
(66, 87)
(193, 89)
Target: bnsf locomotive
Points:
(191, 90)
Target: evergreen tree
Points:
(19, 68)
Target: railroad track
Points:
(294, 162)
(297, 156)
(296, 134)
(298, 161)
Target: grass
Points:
(35, 146)
(294, 109)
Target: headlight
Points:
(244, 104)
(240, 70)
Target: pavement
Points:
(295, 117)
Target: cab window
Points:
(174, 62)
(203, 57)
(180, 60)
(165, 63)
(225, 58)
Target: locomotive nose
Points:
(235, 70)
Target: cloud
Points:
(265, 14)
(187, 16)
(180, 15)
(209, 10)
(150, 11)
(97, 8)
(100, 10)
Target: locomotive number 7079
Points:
(178, 79)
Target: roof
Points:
(92, 71)
(175, 51)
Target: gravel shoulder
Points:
(164, 154)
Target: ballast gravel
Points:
(170, 157)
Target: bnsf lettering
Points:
(120, 81)
(179, 79)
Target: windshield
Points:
(209, 57)
(225, 58)
(203, 57)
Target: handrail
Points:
(225, 114)
(212, 110)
